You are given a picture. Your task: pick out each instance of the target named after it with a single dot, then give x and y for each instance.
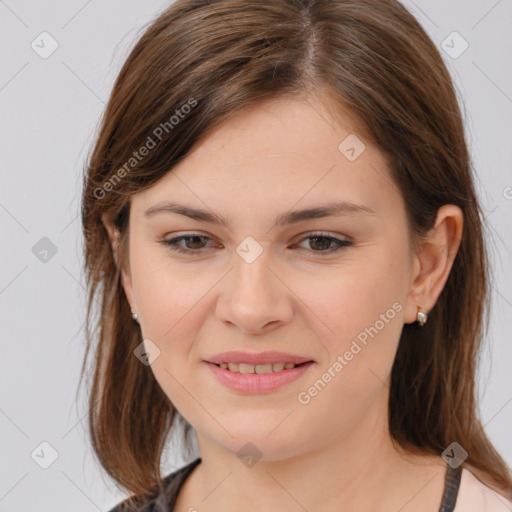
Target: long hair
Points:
(198, 64)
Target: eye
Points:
(321, 243)
(195, 243)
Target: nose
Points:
(254, 297)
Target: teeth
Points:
(246, 368)
(234, 367)
(258, 368)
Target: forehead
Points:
(277, 154)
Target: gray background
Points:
(49, 111)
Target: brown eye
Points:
(193, 243)
(322, 243)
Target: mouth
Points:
(259, 369)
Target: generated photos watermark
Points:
(342, 360)
(152, 141)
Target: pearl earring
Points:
(422, 317)
(135, 316)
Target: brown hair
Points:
(199, 63)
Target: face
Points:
(332, 289)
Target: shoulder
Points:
(475, 496)
(160, 501)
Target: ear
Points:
(433, 261)
(114, 237)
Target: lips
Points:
(254, 383)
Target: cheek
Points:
(349, 299)
(358, 317)
(167, 295)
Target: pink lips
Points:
(253, 383)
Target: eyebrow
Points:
(293, 217)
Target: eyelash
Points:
(172, 243)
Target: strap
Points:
(451, 488)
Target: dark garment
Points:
(451, 489)
(173, 482)
(164, 502)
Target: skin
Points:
(283, 155)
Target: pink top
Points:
(474, 496)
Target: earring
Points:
(135, 316)
(422, 317)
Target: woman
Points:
(283, 236)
